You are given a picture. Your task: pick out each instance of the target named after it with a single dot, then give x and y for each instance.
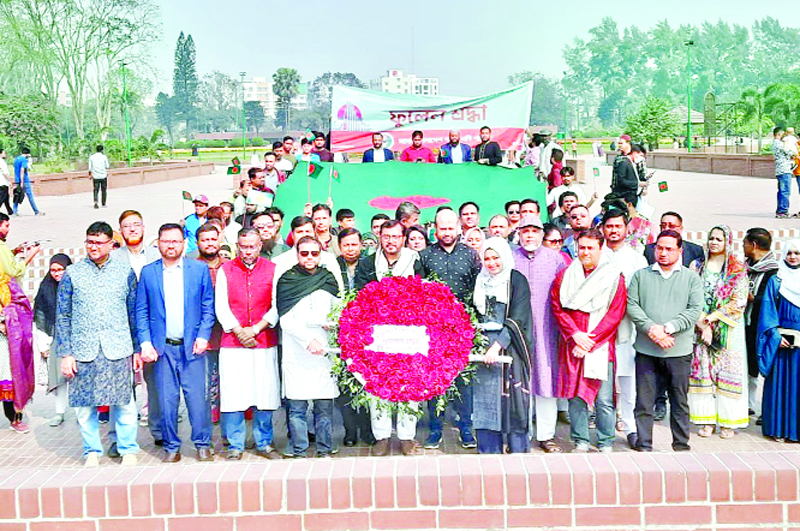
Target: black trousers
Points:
(100, 185)
(675, 373)
(4, 199)
(356, 422)
(10, 413)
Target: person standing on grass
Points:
(98, 171)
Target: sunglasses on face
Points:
(304, 254)
(555, 240)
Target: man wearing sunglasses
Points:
(540, 265)
(579, 221)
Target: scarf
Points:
(18, 317)
(716, 365)
(44, 306)
(297, 283)
(592, 294)
(489, 285)
(756, 273)
(404, 267)
(790, 277)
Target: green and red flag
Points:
(187, 196)
(235, 161)
(662, 186)
(234, 170)
(596, 172)
(314, 169)
(309, 135)
(334, 173)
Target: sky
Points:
(470, 46)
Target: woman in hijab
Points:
(777, 346)
(44, 318)
(501, 391)
(474, 238)
(718, 381)
(17, 379)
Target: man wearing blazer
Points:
(455, 152)
(377, 153)
(174, 318)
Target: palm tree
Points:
(285, 87)
(752, 103)
(782, 102)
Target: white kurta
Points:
(247, 376)
(307, 376)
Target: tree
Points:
(652, 121)
(254, 114)
(217, 91)
(320, 90)
(285, 81)
(28, 120)
(184, 79)
(167, 113)
(782, 103)
(547, 102)
(753, 105)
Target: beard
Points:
(135, 240)
(531, 247)
(268, 245)
(208, 255)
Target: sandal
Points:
(620, 425)
(726, 433)
(550, 447)
(706, 431)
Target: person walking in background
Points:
(22, 166)
(783, 173)
(5, 182)
(98, 171)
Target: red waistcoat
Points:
(250, 297)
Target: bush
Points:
(257, 141)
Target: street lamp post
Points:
(127, 115)
(244, 121)
(688, 45)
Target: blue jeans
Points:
(26, 183)
(173, 374)
(784, 192)
(463, 407)
(323, 426)
(127, 428)
(604, 412)
(491, 442)
(234, 428)
(153, 407)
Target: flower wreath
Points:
(395, 379)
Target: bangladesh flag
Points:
(334, 173)
(314, 169)
(187, 196)
(234, 170)
(235, 161)
(662, 186)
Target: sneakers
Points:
(782, 215)
(92, 460)
(95, 206)
(19, 427)
(57, 420)
(433, 441)
(606, 449)
(581, 448)
(130, 460)
(467, 439)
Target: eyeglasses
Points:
(304, 254)
(95, 243)
(555, 240)
(513, 211)
(135, 225)
(170, 242)
(391, 237)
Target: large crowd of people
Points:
(602, 319)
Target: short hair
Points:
(308, 239)
(615, 213)
(392, 223)
(206, 227)
(268, 153)
(299, 221)
(673, 214)
(304, 141)
(669, 233)
(759, 237)
(378, 217)
(275, 210)
(567, 170)
(253, 172)
(226, 203)
(564, 196)
(498, 216)
(3, 217)
(593, 234)
(344, 213)
(100, 148)
(247, 231)
(170, 226)
(321, 206)
(405, 210)
(509, 204)
(349, 231)
(128, 213)
(275, 145)
(777, 130)
(260, 215)
(638, 148)
(550, 227)
(466, 204)
(287, 137)
(25, 150)
(417, 228)
(215, 212)
(416, 133)
(529, 201)
(319, 134)
(377, 133)
(487, 128)
(100, 228)
(557, 155)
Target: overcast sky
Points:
(470, 46)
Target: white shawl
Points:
(790, 278)
(488, 285)
(404, 267)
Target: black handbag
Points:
(19, 194)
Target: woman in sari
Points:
(778, 357)
(717, 384)
(501, 409)
(44, 317)
(17, 375)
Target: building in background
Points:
(260, 89)
(397, 82)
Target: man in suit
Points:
(377, 153)
(691, 251)
(174, 318)
(454, 152)
(487, 152)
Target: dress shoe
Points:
(205, 454)
(349, 443)
(659, 414)
(633, 440)
(234, 455)
(269, 453)
(381, 448)
(368, 439)
(171, 457)
(113, 453)
(408, 447)
(159, 442)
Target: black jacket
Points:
(365, 271)
(691, 252)
(488, 150)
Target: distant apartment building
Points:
(260, 89)
(397, 82)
